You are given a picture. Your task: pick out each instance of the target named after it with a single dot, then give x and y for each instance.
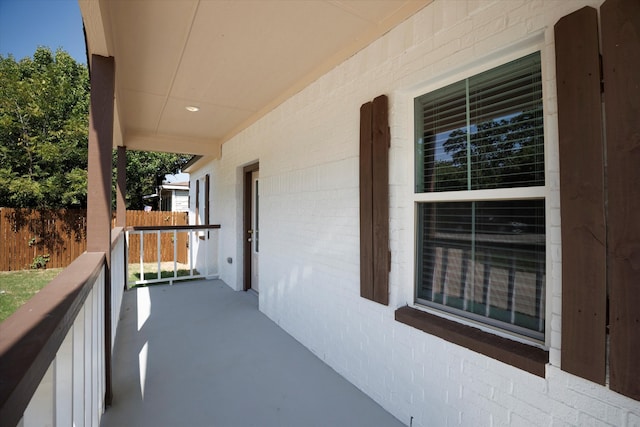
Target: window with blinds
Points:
(481, 255)
(483, 132)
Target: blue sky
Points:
(27, 24)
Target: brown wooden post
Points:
(121, 206)
(99, 184)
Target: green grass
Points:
(151, 273)
(17, 287)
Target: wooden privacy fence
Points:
(26, 234)
(59, 236)
(166, 219)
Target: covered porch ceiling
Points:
(234, 60)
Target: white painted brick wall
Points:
(309, 260)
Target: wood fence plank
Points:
(620, 20)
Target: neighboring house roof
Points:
(174, 186)
(184, 186)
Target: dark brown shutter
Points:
(620, 20)
(197, 202)
(581, 195)
(600, 200)
(206, 199)
(374, 200)
(366, 203)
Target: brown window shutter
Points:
(197, 202)
(582, 196)
(366, 202)
(374, 200)
(620, 20)
(206, 199)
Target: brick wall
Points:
(309, 260)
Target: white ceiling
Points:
(234, 59)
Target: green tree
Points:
(44, 122)
(44, 111)
(505, 152)
(145, 170)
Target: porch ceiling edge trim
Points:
(98, 44)
(96, 37)
(117, 129)
(197, 163)
(172, 144)
(403, 13)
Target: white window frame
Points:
(532, 45)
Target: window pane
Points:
(483, 132)
(484, 261)
(439, 167)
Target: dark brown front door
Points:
(249, 234)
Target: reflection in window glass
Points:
(484, 260)
(483, 132)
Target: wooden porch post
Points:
(99, 184)
(121, 209)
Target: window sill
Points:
(519, 355)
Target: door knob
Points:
(249, 239)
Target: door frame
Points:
(247, 203)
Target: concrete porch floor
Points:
(200, 354)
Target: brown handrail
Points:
(172, 227)
(31, 337)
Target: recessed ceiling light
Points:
(192, 108)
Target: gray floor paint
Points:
(212, 359)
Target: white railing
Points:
(72, 390)
(52, 350)
(162, 260)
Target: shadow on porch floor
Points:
(200, 354)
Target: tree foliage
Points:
(503, 153)
(145, 170)
(44, 107)
(44, 122)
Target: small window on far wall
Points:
(480, 199)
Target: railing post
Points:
(78, 368)
(40, 411)
(159, 253)
(206, 252)
(175, 253)
(64, 382)
(141, 234)
(191, 243)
